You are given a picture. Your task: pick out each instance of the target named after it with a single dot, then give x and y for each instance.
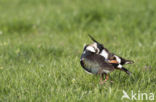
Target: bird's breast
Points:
(89, 66)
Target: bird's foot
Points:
(102, 82)
(112, 81)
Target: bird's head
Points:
(92, 48)
(98, 46)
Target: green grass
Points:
(41, 42)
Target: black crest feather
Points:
(92, 38)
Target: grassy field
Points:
(41, 42)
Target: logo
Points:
(137, 96)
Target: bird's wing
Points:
(97, 61)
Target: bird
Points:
(96, 59)
(112, 58)
(95, 64)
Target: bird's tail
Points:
(129, 62)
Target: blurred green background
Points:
(41, 42)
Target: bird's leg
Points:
(111, 80)
(106, 77)
(101, 78)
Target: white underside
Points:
(105, 71)
(88, 72)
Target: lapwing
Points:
(112, 58)
(96, 59)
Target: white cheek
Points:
(104, 54)
(89, 48)
(95, 46)
(118, 59)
